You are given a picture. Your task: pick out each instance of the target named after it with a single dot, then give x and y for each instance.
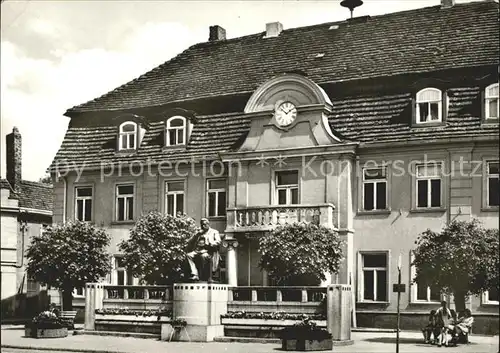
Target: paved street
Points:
(12, 337)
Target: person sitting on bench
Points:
(432, 329)
(464, 325)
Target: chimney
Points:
(217, 33)
(447, 3)
(273, 29)
(14, 156)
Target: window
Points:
(79, 292)
(491, 102)
(429, 106)
(122, 277)
(420, 292)
(374, 189)
(491, 296)
(128, 136)
(428, 186)
(83, 203)
(124, 202)
(492, 184)
(287, 187)
(174, 197)
(216, 197)
(374, 279)
(176, 131)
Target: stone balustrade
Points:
(305, 300)
(265, 218)
(137, 292)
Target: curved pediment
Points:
(286, 87)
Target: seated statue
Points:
(203, 253)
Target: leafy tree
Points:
(462, 259)
(300, 254)
(66, 256)
(46, 179)
(155, 250)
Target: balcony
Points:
(266, 218)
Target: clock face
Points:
(285, 113)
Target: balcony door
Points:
(287, 187)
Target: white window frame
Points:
(288, 188)
(76, 293)
(487, 182)
(180, 131)
(414, 287)
(115, 269)
(125, 197)
(84, 200)
(216, 191)
(375, 182)
(361, 268)
(420, 101)
(124, 135)
(486, 299)
(487, 98)
(429, 189)
(175, 193)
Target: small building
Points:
(380, 127)
(26, 207)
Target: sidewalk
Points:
(13, 337)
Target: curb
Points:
(375, 330)
(118, 334)
(49, 349)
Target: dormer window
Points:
(491, 102)
(128, 136)
(429, 106)
(176, 131)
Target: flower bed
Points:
(46, 325)
(277, 315)
(137, 313)
(127, 320)
(305, 336)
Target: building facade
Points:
(380, 127)
(25, 208)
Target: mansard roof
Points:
(421, 40)
(368, 118)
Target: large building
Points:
(26, 207)
(380, 127)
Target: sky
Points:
(57, 54)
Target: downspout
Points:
(65, 183)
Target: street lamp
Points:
(399, 298)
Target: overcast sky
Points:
(57, 54)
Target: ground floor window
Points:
(422, 292)
(491, 297)
(373, 277)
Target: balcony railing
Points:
(137, 292)
(264, 218)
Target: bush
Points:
(46, 320)
(300, 254)
(305, 330)
(155, 250)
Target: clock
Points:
(285, 113)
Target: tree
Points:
(46, 179)
(155, 250)
(462, 260)
(66, 256)
(300, 254)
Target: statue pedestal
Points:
(201, 305)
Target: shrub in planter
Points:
(305, 336)
(46, 325)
